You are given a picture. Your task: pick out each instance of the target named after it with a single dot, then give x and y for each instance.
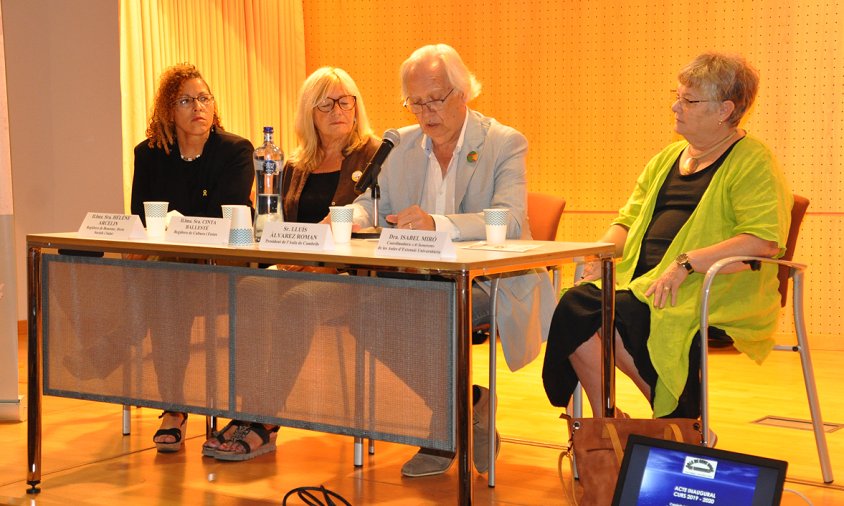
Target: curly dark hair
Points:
(161, 130)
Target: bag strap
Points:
(672, 429)
(611, 432)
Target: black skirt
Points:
(578, 317)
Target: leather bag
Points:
(597, 446)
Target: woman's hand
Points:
(591, 272)
(667, 285)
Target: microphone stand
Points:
(373, 232)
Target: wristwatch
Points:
(682, 260)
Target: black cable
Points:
(307, 496)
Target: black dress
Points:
(578, 314)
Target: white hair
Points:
(457, 72)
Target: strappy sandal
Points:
(239, 449)
(210, 450)
(176, 432)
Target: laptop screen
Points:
(656, 471)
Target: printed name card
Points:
(403, 243)
(198, 230)
(112, 226)
(290, 236)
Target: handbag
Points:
(597, 448)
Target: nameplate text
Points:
(291, 236)
(401, 243)
(198, 230)
(112, 226)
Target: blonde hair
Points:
(308, 153)
(723, 77)
(456, 71)
(161, 130)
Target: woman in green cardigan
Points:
(716, 194)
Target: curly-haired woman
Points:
(190, 162)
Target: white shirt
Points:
(438, 192)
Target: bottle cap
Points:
(268, 129)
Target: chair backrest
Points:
(797, 213)
(544, 212)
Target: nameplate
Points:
(112, 226)
(198, 230)
(403, 243)
(291, 236)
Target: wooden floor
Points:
(86, 461)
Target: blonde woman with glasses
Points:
(335, 142)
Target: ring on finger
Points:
(665, 288)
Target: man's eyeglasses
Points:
(346, 103)
(186, 102)
(435, 105)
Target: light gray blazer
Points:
(497, 178)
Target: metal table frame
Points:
(359, 254)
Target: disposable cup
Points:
(341, 223)
(241, 231)
(496, 225)
(155, 215)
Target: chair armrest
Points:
(715, 269)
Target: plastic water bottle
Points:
(269, 161)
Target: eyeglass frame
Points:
(685, 102)
(187, 101)
(409, 105)
(335, 102)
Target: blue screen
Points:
(682, 479)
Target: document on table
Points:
(511, 247)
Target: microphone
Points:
(370, 173)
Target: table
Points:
(359, 254)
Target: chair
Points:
(544, 213)
(787, 269)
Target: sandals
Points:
(239, 450)
(176, 432)
(210, 450)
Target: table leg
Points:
(33, 423)
(493, 332)
(608, 336)
(464, 388)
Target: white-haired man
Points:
(448, 168)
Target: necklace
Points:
(190, 158)
(692, 162)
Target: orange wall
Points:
(589, 84)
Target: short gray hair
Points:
(723, 77)
(457, 72)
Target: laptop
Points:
(656, 471)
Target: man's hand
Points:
(413, 218)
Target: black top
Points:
(676, 201)
(223, 174)
(294, 181)
(317, 196)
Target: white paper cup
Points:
(155, 215)
(496, 225)
(341, 223)
(240, 232)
